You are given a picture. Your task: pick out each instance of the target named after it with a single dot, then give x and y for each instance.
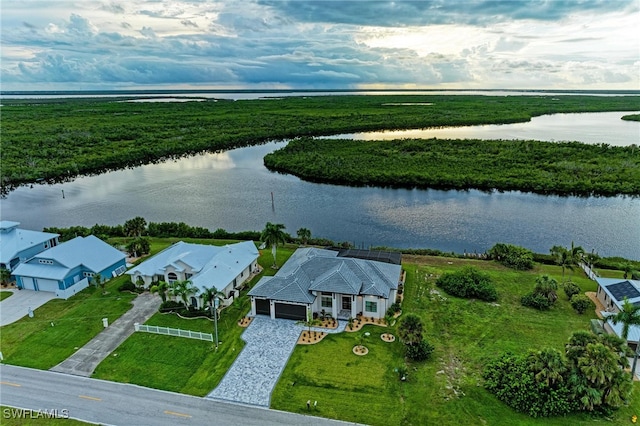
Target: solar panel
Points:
(624, 289)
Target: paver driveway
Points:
(255, 372)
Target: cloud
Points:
(320, 44)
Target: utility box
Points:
(105, 322)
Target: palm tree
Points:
(628, 316)
(209, 295)
(548, 366)
(562, 257)
(410, 329)
(576, 254)
(547, 286)
(273, 234)
(135, 227)
(183, 289)
(161, 287)
(304, 234)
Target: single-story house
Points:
(17, 245)
(67, 268)
(316, 280)
(611, 293)
(225, 267)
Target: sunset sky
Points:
(270, 44)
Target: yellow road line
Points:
(173, 413)
(10, 384)
(89, 397)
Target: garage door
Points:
(27, 283)
(296, 312)
(47, 285)
(262, 307)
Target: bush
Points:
(171, 306)
(582, 303)
(393, 309)
(535, 300)
(127, 286)
(570, 289)
(419, 351)
(469, 282)
(515, 257)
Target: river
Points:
(232, 190)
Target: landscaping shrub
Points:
(582, 303)
(570, 289)
(393, 309)
(468, 282)
(512, 256)
(534, 300)
(127, 286)
(419, 351)
(171, 306)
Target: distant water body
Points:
(166, 95)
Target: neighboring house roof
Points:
(618, 289)
(13, 240)
(210, 265)
(311, 269)
(90, 252)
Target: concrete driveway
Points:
(17, 306)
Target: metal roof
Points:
(13, 240)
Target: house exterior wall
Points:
(27, 253)
(380, 306)
(606, 300)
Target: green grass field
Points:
(60, 327)
(4, 295)
(446, 390)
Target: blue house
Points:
(67, 268)
(17, 245)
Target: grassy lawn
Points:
(179, 364)
(5, 294)
(447, 390)
(18, 417)
(36, 343)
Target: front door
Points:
(346, 303)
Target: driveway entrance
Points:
(17, 305)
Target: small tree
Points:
(182, 289)
(98, 281)
(135, 227)
(582, 303)
(570, 289)
(161, 287)
(628, 316)
(410, 329)
(272, 235)
(5, 276)
(543, 295)
(304, 234)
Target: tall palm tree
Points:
(562, 257)
(161, 287)
(135, 227)
(273, 234)
(209, 295)
(628, 316)
(183, 289)
(304, 234)
(576, 255)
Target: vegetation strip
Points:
(568, 168)
(60, 139)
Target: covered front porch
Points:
(338, 305)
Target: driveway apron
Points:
(87, 358)
(17, 305)
(254, 374)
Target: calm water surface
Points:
(232, 190)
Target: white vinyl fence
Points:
(173, 332)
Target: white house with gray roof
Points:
(319, 280)
(225, 267)
(611, 293)
(67, 268)
(17, 244)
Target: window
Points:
(371, 306)
(171, 277)
(46, 261)
(326, 301)
(87, 274)
(120, 270)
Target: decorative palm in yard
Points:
(273, 234)
(182, 289)
(304, 234)
(161, 287)
(628, 316)
(210, 295)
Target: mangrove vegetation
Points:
(56, 140)
(568, 168)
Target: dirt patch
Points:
(599, 306)
(360, 350)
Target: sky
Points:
(331, 44)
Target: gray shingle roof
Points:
(311, 269)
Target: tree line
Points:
(58, 140)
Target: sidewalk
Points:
(87, 358)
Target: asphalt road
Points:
(111, 403)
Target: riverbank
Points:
(568, 168)
(58, 141)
